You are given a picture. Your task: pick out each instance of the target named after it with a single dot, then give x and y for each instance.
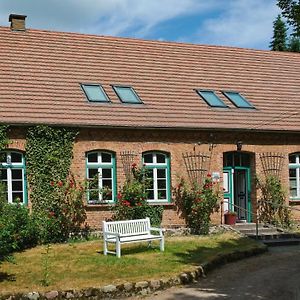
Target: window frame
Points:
(295, 166)
(249, 105)
(9, 166)
(116, 86)
(155, 166)
(222, 103)
(82, 85)
(99, 166)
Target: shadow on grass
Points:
(221, 253)
(7, 277)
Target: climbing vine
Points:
(3, 137)
(49, 153)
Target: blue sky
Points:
(242, 23)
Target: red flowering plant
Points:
(65, 214)
(132, 198)
(197, 203)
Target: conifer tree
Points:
(294, 44)
(279, 41)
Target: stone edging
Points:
(141, 287)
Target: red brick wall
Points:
(175, 143)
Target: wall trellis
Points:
(272, 163)
(197, 165)
(128, 158)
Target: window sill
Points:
(107, 205)
(294, 201)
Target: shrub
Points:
(132, 199)
(272, 208)
(18, 229)
(197, 203)
(65, 214)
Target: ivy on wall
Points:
(3, 137)
(49, 152)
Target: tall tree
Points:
(278, 42)
(291, 10)
(294, 44)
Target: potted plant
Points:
(230, 217)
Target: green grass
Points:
(80, 265)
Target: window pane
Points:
(16, 174)
(17, 197)
(3, 174)
(93, 195)
(162, 194)
(3, 157)
(150, 194)
(212, 99)
(292, 159)
(106, 173)
(148, 158)
(127, 94)
(106, 157)
(238, 100)
(107, 183)
(161, 173)
(17, 186)
(160, 158)
(93, 157)
(92, 173)
(16, 157)
(95, 93)
(161, 184)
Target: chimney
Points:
(17, 22)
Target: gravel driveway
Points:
(273, 275)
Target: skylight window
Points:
(94, 93)
(127, 94)
(238, 100)
(211, 98)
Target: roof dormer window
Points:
(94, 93)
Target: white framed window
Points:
(294, 176)
(158, 170)
(101, 175)
(12, 175)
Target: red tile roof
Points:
(41, 72)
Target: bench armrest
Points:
(105, 233)
(160, 230)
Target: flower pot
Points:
(230, 219)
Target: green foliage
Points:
(48, 158)
(132, 204)
(272, 208)
(197, 203)
(294, 44)
(65, 213)
(18, 229)
(46, 263)
(291, 11)
(279, 40)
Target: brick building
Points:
(181, 109)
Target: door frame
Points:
(231, 193)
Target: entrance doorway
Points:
(237, 186)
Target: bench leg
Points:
(118, 248)
(149, 244)
(104, 247)
(162, 244)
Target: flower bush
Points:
(65, 214)
(132, 199)
(197, 203)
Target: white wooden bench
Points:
(131, 231)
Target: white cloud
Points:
(244, 23)
(111, 17)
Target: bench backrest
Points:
(129, 227)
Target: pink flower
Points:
(133, 166)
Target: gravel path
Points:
(274, 275)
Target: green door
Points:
(237, 191)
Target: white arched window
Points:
(101, 175)
(158, 166)
(12, 175)
(294, 176)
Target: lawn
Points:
(82, 264)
